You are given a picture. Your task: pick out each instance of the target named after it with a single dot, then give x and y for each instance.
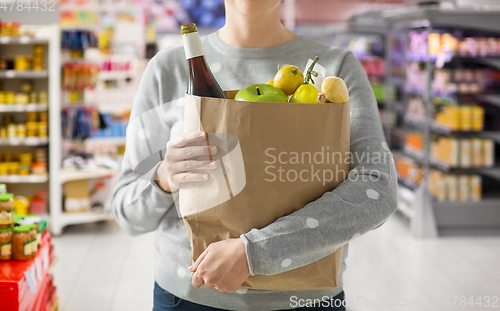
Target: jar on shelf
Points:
(4, 29)
(35, 220)
(5, 244)
(21, 98)
(11, 130)
(37, 63)
(26, 157)
(33, 97)
(21, 130)
(13, 168)
(22, 63)
(3, 132)
(21, 243)
(10, 97)
(26, 87)
(42, 129)
(15, 30)
(31, 128)
(24, 169)
(6, 210)
(4, 168)
(42, 98)
(2, 97)
(34, 245)
(39, 168)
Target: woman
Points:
(246, 50)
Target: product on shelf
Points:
(6, 210)
(456, 152)
(20, 163)
(25, 95)
(449, 81)
(10, 29)
(34, 125)
(79, 76)
(423, 44)
(5, 244)
(21, 243)
(453, 187)
(409, 170)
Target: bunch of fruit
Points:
(290, 85)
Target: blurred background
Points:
(69, 71)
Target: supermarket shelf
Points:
(19, 179)
(416, 17)
(493, 99)
(30, 141)
(411, 185)
(493, 172)
(22, 40)
(443, 130)
(484, 213)
(73, 174)
(82, 218)
(23, 108)
(12, 74)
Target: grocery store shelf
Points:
(411, 185)
(416, 17)
(19, 179)
(12, 74)
(484, 213)
(85, 217)
(493, 172)
(443, 130)
(29, 141)
(493, 99)
(73, 174)
(22, 40)
(23, 108)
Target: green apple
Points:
(261, 93)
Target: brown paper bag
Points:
(246, 190)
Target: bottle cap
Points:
(5, 230)
(21, 229)
(6, 196)
(189, 28)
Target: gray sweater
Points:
(355, 207)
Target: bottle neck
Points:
(192, 45)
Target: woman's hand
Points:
(179, 166)
(222, 265)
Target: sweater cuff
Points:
(157, 189)
(247, 251)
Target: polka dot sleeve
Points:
(361, 203)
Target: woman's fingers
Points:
(194, 267)
(197, 280)
(189, 177)
(186, 166)
(180, 154)
(187, 138)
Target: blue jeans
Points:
(165, 301)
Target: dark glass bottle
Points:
(201, 80)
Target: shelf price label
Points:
(10, 73)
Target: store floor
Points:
(99, 267)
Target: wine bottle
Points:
(201, 80)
